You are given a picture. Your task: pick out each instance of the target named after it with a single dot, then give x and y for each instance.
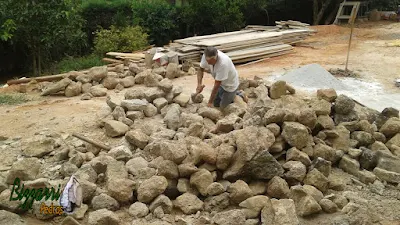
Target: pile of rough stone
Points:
(97, 80)
(269, 163)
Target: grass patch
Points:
(77, 63)
(13, 99)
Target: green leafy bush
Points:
(77, 63)
(126, 39)
(158, 17)
(13, 99)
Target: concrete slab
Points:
(379, 102)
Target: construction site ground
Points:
(370, 57)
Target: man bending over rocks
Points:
(226, 78)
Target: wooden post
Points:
(97, 144)
(353, 18)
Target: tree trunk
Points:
(320, 13)
(34, 62)
(315, 12)
(39, 62)
(332, 15)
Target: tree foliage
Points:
(126, 39)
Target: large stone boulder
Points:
(115, 128)
(278, 188)
(57, 87)
(296, 134)
(253, 205)
(280, 212)
(189, 203)
(121, 189)
(103, 217)
(305, 204)
(239, 191)
(104, 201)
(317, 179)
(9, 218)
(329, 95)
(231, 217)
(137, 138)
(73, 89)
(151, 188)
(278, 89)
(391, 127)
(98, 73)
(173, 117)
(344, 105)
(25, 169)
(252, 157)
(201, 180)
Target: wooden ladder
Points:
(350, 18)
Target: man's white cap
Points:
(158, 55)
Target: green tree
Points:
(48, 28)
(158, 17)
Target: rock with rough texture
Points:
(73, 89)
(217, 203)
(160, 103)
(391, 127)
(104, 201)
(363, 138)
(201, 180)
(349, 165)
(211, 113)
(189, 203)
(103, 217)
(239, 191)
(231, 217)
(344, 105)
(325, 122)
(280, 212)
(161, 201)
(182, 99)
(253, 206)
(313, 192)
(150, 110)
(250, 156)
(224, 157)
(57, 87)
(86, 88)
(278, 89)
(388, 176)
(322, 165)
(69, 220)
(168, 169)
(278, 188)
(135, 115)
(317, 179)
(226, 124)
(274, 128)
(151, 80)
(134, 104)
(138, 210)
(110, 82)
(25, 169)
(368, 159)
(294, 154)
(170, 150)
(115, 128)
(197, 98)
(327, 94)
(137, 138)
(9, 218)
(308, 118)
(173, 117)
(328, 206)
(321, 107)
(127, 82)
(295, 134)
(98, 91)
(151, 188)
(121, 153)
(172, 71)
(324, 151)
(118, 112)
(215, 189)
(305, 204)
(274, 115)
(98, 73)
(296, 171)
(121, 189)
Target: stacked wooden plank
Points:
(252, 43)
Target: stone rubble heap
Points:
(97, 80)
(270, 163)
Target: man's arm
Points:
(200, 86)
(214, 92)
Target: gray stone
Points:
(134, 104)
(57, 87)
(239, 191)
(305, 204)
(324, 151)
(321, 107)
(116, 170)
(172, 71)
(391, 127)
(103, 217)
(70, 221)
(274, 115)
(121, 153)
(368, 159)
(110, 82)
(121, 189)
(363, 138)
(274, 128)
(182, 99)
(73, 89)
(344, 105)
(137, 138)
(168, 169)
(135, 115)
(173, 118)
(160, 103)
(201, 180)
(217, 203)
(231, 217)
(313, 192)
(308, 118)
(151, 188)
(215, 189)
(151, 80)
(322, 165)
(317, 179)
(161, 201)
(325, 122)
(211, 113)
(328, 206)
(225, 154)
(294, 154)
(98, 91)
(138, 210)
(349, 165)
(104, 201)
(278, 188)
(296, 171)
(295, 134)
(189, 203)
(115, 128)
(9, 218)
(253, 205)
(327, 94)
(25, 169)
(388, 176)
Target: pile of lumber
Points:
(252, 43)
(290, 24)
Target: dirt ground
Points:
(370, 57)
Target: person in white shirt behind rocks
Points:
(226, 78)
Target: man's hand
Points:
(210, 104)
(199, 89)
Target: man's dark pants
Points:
(224, 98)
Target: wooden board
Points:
(130, 55)
(196, 38)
